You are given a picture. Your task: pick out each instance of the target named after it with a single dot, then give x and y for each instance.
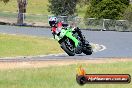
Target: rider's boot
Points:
(78, 49)
(56, 37)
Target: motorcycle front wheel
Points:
(68, 49)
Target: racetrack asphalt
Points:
(118, 44)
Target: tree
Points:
(62, 7)
(21, 10)
(95, 2)
(83, 2)
(5, 1)
(126, 2)
(128, 14)
(108, 9)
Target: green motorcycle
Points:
(71, 43)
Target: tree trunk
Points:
(21, 11)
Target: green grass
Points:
(14, 45)
(61, 77)
(35, 7)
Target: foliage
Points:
(95, 2)
(128, 14)
(5, 1)
(108, 9)
(62, 7)
(83, 2)
(126, 2)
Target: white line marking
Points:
(60, 54)
(97, 47)
(103, 48)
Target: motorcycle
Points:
(71, 43)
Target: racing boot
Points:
(78, 49)
(56, 37)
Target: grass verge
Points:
(36, 7)
(15, 45)
(61, 76)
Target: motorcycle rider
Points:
(57, 25)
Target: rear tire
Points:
(88, 50)
(70, 53)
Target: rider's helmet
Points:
(53, 21)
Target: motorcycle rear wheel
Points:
(88, 50)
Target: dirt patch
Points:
(39, 64)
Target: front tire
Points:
(69, 52)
